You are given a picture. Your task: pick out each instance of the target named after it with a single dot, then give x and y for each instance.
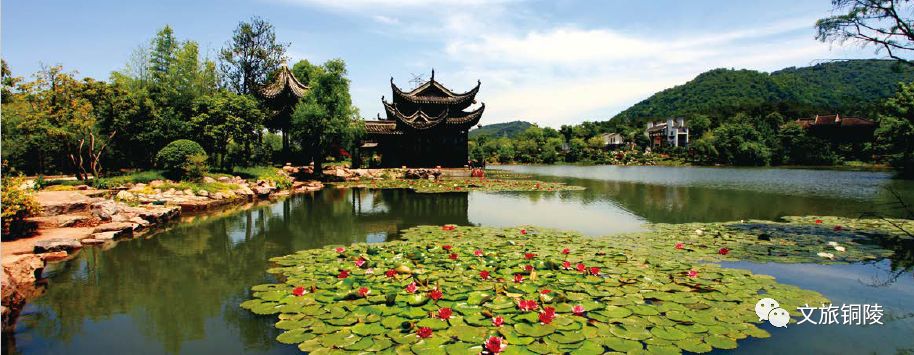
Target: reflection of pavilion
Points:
(390, 210)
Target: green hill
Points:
(851, 87)
(507, 129)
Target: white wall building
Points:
(672, 133)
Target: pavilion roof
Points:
(420, 120)
(433, 92)
(284, 81)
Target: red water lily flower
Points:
(498, 321)
(298, 291)
(523, 231)
(343, 274)
(453, 256)
(594, 270)
(680, 245)
(435, 294)
(424, 332)
(477, 252)
(818, 221)
(448, 227)
(837, 228)
(445, 313)
(526, 305)
(390, 273)
(495, 345)
(566, 264)
(528, 268)
(363, 291)
(566, 251)
(537, 185)
(545, 291)
(529, 256)
(693, 273)
(723, 251)
(518, 278)
(578, 310)
(340, 250)
(484, 274)
(359, 262)
(446, 247)
(411, 288)
(581, 267)
(547, 315)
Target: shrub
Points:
(175, 158)
(195, 167)
(18, 204)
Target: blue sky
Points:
(548, 62)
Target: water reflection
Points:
(178, 291)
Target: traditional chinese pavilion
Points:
(424, 127)
(280, 97)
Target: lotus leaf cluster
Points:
(461, 290)
(461, 184)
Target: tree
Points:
(740, 143)
(796, 146)
(251, 55)
(325, 117)
(885, 24)
(895, 135)
(223, 118)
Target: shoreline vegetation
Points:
(528, 289)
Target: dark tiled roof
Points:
(285, 80)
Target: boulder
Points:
(224, 179)
(53, 256)
(141, 222)
(262, 191)
(124, 195)
(105, 209)
(118, 228)
(104, 236)
(203, 193)
(81, 187)
(422, 173)
(92, 241)
(56, 244)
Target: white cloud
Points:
(553, 74)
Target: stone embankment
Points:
(71, 220)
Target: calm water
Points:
(177, 291)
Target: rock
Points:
(203, 193)
(105, 236)
(124, 195)
(218, 196)
(118, 228)
(141, 222)
(81, 187)
(208, 180)
(106, 209)
(70, 220)
(119, 218)
(53, 256)
(262, 191)
(55, 203)
(422, 173)
(92, 241)
(56, 244)
(224, 179)
(189, 192)
(156, 183)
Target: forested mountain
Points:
(507, 129)
(851, 87)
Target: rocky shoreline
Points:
(83, 217)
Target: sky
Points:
(549, 62)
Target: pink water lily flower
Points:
(340, 250)
(566, 251)
(518, 278)
(360, 262)
(343, 274)
(484, 274)
(498, 321)
(424, 332)
(578, 310)
(445, 313)
(411, 288)
(390, 273)
(477, 252)
(680, 245)
(693, 273)
(496, 345)
(363, 291)
(435, 294)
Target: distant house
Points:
(838, 128)
(672, 133)
(612, 140)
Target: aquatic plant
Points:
(460, 185)
(621, 295)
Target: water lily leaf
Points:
(434, 323)
(473, 335)
(362, 344)
(669, 333)
(663, 349)
(630, 332)
(295, 336)
(567, 338)
(694, 345)
(534, 330)
(588, 347)
(364, 329)
(429, 346)
(339, 339)
(393, 322)
(543, 348)
(720, 342)
(616, 312)
(622, 345)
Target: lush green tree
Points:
(225, 117)
(325, 118)
(895, 135)
(182, 159)
(797, 147)
(251, 55)
(885, 24)
(699, 124)
(740, 144)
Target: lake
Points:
(178, 290)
